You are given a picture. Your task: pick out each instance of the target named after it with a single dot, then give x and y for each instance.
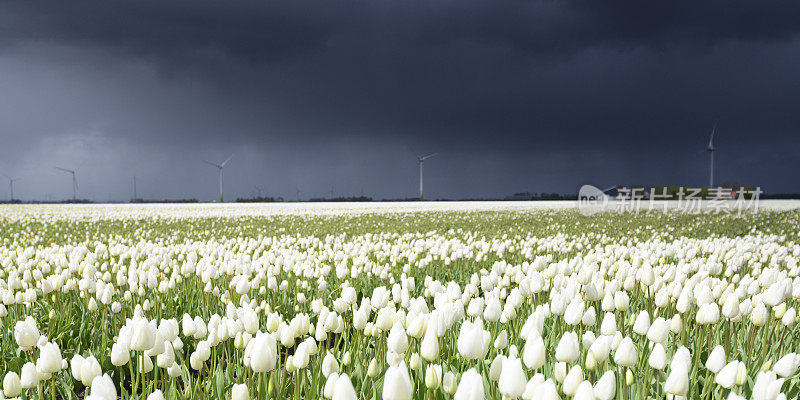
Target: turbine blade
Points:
(711, 139)
(211, 163)
(226, 161)
(65, 170)
(429, 156)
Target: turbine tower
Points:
(11, 185)
(74, 180)
(711, 150)
(220, 167)
(421, 161)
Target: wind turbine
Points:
(74, 180)
(421, 161)
(711, 150)
(11, 185)
(220, 167)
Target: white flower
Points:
(240, 392)
(726, 377)
(329, 365)
(572, 380)
(343, 389)
(398, 342)
(625, 355)
(433, 376)
(89, 369)
(263, 352)
(567, 349)
(585, 391)
(658, 330)
(120, 355)
(501, 341)
(767, 386)
(49, 361)
(156, 395)
(492, 311)
(26, 333)
(716, 360)
(600, 348)
(397, 384)
(512, 378)
(677, 382)
(102, 388)
(470, 387)
(473, 341)
(642, 323)
(609, 324)
(11, 385)
(533, 354)
(449, 382)
(606, 386)
(658, 357)
(787, 365)
(29, 377)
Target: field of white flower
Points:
(396, 302)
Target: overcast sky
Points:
(339, 96)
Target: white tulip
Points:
(473, 341)
(716, 360)
(572, 380)
(397, 384)
(567, 349)
(49, 361)
(642, 323)
(102, 388)
(512, 378)
(533, 354)
(29, 377)
(606, 386)
(240, 392)
(433, 376)
(787, 365)
(658, 357)
(767, 386)
(677, 382)
(11, 385)
(585, 391)
(398, 342)
(344, 389)
(726, 377)
(470, 387)
(625, 355)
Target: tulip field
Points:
(467, 302)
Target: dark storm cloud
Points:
(539, 95)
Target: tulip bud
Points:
(433, 376)
(11, 385)
(240, 392)
(741, 374)
(372, 369)
(449, 382)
